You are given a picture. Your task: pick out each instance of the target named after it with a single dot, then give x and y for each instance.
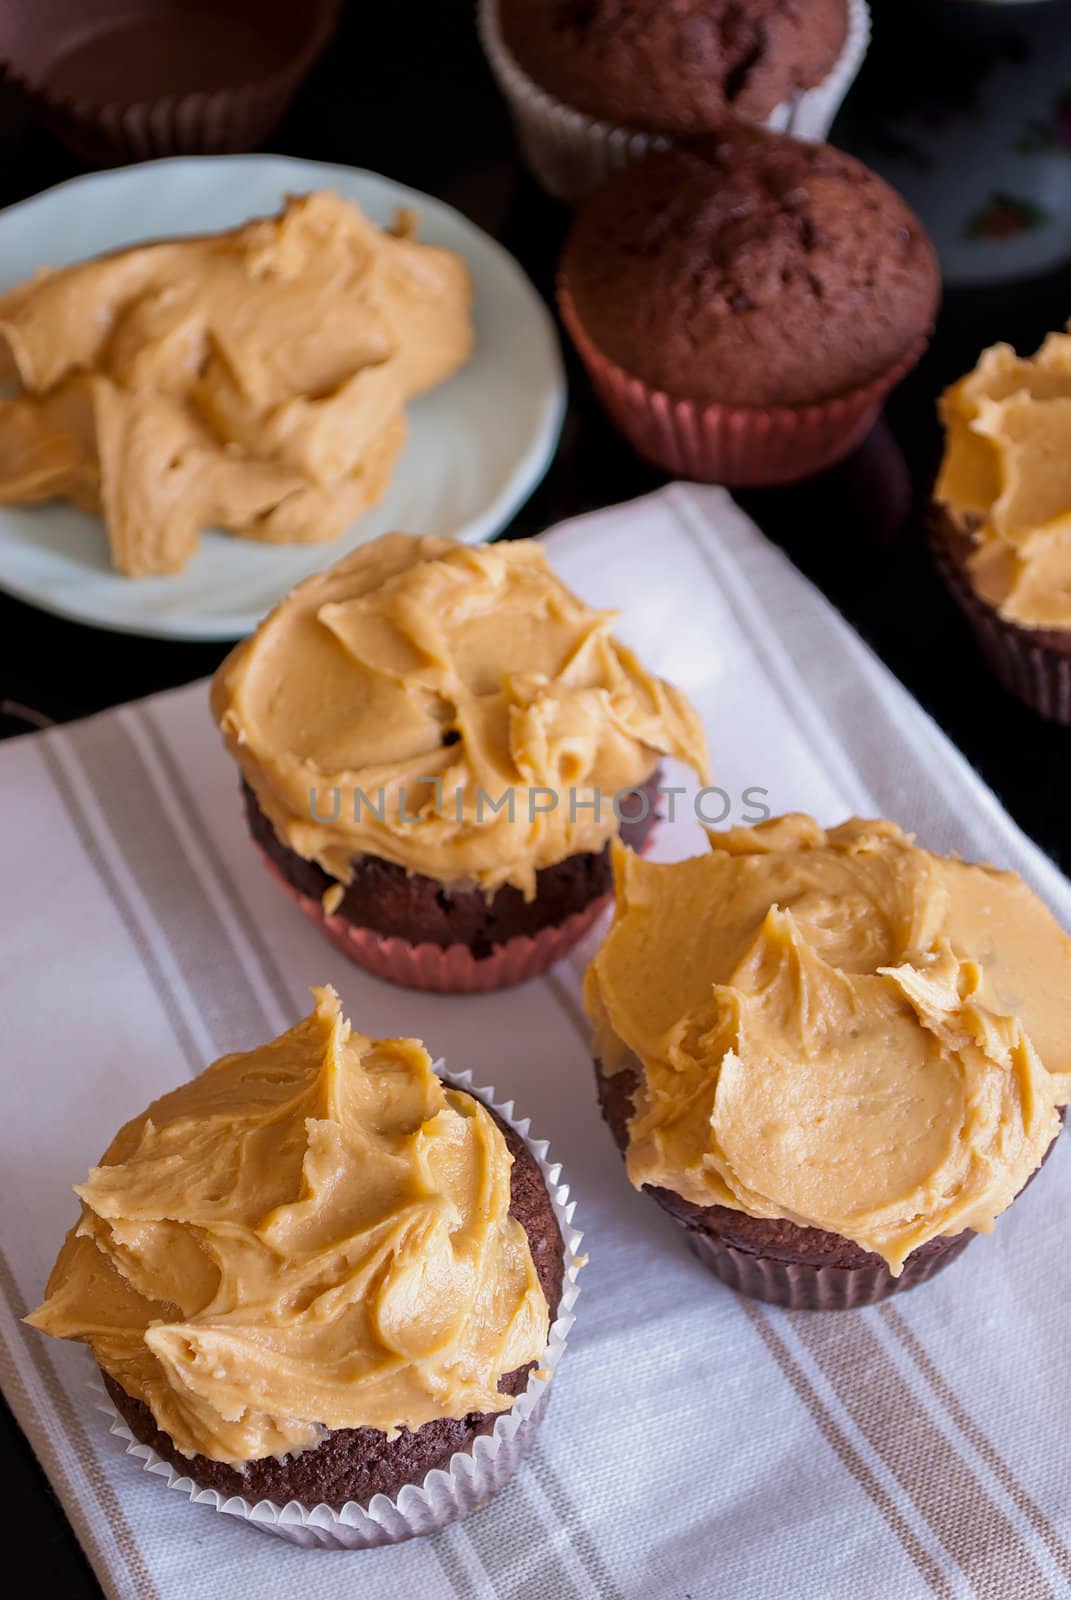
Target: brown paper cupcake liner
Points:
(801, 1268)
(825, 1286)
(447, 969)
(735, 445)
(570, 153)
(111, 132)
(472, 1477)
(1033, 665)
(800, 1286)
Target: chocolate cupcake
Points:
(437, 745)
(744, 303)
(593, 87)
(316, 1276)
(832, 1057)
(1001, 526)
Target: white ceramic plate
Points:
(476, 447)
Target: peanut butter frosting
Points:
(454, 710)
(836, 1028)
(252, 380)
(1006, 477)
(311, 1235)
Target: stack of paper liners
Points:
(252, 380)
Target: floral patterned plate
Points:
(973, 126)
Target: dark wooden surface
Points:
(416, 102)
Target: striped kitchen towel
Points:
(696, 1444)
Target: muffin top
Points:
(751, 269)
(314, 1234)
(1006, 479)
(675, 68)
(456, 711)
(836, 1028)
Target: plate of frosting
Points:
(219, 374)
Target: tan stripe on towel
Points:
(102, 1490)
(564, 1508)
(213, 978)
(947, 1396)
(514, 1549)
(972, 1528)
(845, 1451)
(281, 992)
(66, 790)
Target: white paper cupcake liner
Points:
(570, 153)
(446, 1495)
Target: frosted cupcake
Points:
(437, 745)
(1002, 529)
(833, 1057)
(317, 1275)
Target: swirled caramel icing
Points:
(454, 710)
(1006, 479)
(837, 1028)
(311, 1235)
(252, 380)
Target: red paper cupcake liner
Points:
(221, 121)
(450, 969)
(801, 1286)
(1036, 671)
(736, 445)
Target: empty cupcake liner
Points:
(215, 122)
(1022, 659)
(447, 969)
(474, 1475)
(801, 1286)
(571, 153)
(736, 445)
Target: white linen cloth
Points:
(696, 1444)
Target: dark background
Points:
(404, 90)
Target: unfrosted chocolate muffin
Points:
(751, 269)
(674, 69)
